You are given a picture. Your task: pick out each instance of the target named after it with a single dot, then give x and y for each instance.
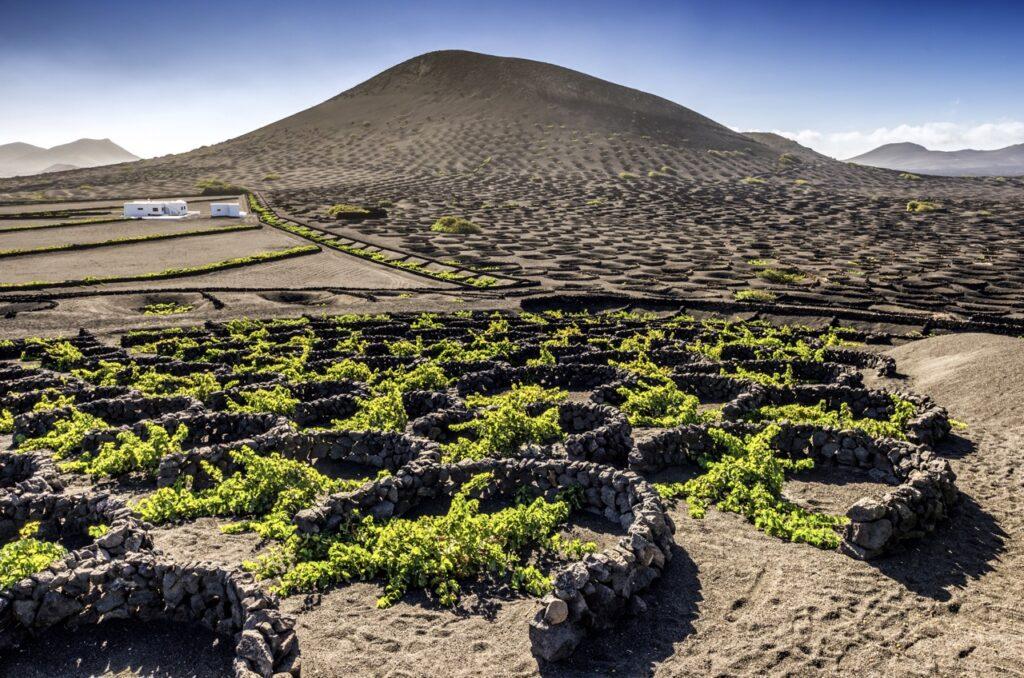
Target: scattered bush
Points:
(166, 308)
(781, 276)
(754, 295)
(923, 206)
(218, 187)
(450, 224)
(342, 210)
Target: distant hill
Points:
(20, 159)
(909, 157)
(59, 167)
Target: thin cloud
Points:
(937, 136)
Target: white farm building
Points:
(155, 209)
(226, 209)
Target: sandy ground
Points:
(101, 232)
(140, 258)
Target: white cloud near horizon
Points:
(936, 136)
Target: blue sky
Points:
(841, 77)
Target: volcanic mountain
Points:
(25, 159)
(909, 157)
(456, 112)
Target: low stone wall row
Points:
(67, 517)
(884, 366)
(121, 411)
(80, 392)
(929, 425)
(570, 377)
(30, 382)
(143, 586)
(28, 473)
(590, 594)
(204, 428)
(808, 371)
(373, 449)
(597, 433)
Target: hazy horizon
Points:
(799, 69)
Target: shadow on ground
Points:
(157, 649)
(638, 645)
(958, 552)
(955, 447)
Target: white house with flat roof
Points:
(226, 209)
(156, 209)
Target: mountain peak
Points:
(902, 146)
(24, 159)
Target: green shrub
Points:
(843, 419)
(344, 209)
(748, 480)
(781, 276)
(66, 434)
(130, 453)
(269, 490)
(502, 425)
(430, 552)
(26, 556)
(754, 295)
(662, 405)
(166, 308)
(450, 224)
(278, 400)
(923, 206)
(385, 412)
(776, 379)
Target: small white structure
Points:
(226, 209)
(156, 209)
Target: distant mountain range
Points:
(20, 159)
(909, 157)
